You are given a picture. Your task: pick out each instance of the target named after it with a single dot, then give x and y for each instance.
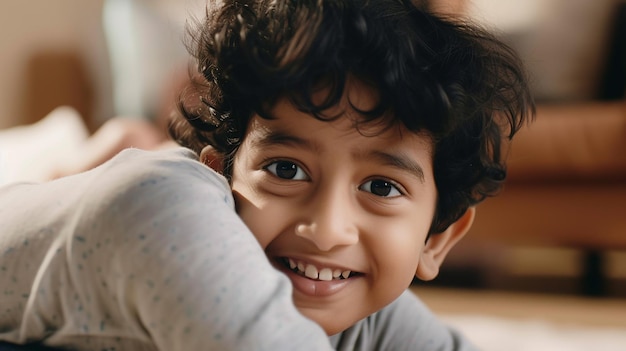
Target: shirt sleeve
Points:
(195, 274)
(156, 254)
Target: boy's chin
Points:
(331, 319)
(331, 323)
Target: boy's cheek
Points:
(257, 218)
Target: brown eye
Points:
(287, 170)
(380, 187)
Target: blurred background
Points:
(551, 246)
(559, 225)
(116, 61)
(102, 57)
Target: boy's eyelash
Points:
(266, 162)
(398, 186)
(395, 184)
(271, 160)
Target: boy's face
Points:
(344, 213)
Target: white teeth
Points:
(311, 271)
(326, 274)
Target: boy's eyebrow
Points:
(399, 161)
(278, 138)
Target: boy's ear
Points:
(438, 245)
(210, 157)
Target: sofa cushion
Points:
(570, 143)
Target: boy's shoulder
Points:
(405, 324)
(138, 161)
(162, 175)
(132, 181)
(136, 190)
(175, 166)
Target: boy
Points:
(369, 131)
(356, 138)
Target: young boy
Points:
(356, 138)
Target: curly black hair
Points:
(448, 78)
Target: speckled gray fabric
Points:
(404, 325)
(142, 253)
(146, 253)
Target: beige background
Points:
(49, 52)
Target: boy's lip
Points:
(314, 287)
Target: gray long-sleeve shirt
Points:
(146, 252)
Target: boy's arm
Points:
(144, 252)
(205, 281)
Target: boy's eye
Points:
(287, 170)
(381, 187)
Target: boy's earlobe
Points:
(438, 245)
(210, 157)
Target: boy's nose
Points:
(331, 222)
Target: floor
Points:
(553, 308)
(557, 271)
(530, 299)
(520, 321)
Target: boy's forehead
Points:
(408, 152)
(355, 95)
(285, 122)
(289, 126)
(348, 114)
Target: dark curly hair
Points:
(446, 77)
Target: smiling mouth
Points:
(312, 272)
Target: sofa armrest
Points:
(572, 143)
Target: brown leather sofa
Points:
(566, 183)
(566, 187)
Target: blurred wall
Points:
(53, 53)
(564, 43)
(145, 39)
(103, 57)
